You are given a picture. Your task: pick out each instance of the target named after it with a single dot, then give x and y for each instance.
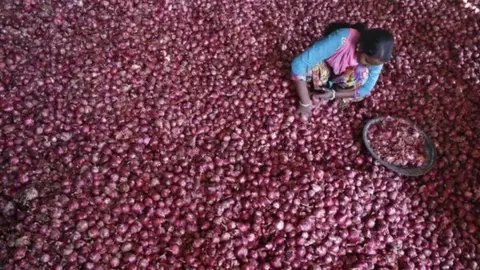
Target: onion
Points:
(398, 143)
(163, 135)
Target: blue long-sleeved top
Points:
(322, 50)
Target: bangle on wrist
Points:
(305, 105)
(334, 94)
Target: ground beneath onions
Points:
(397, 142)
(161, 135)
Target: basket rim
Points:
(406, 171)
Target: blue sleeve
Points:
(373, 74)
(318, 52)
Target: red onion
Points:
(162, 134)
(398, 143)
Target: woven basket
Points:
(430, 154)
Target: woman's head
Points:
(375, 47)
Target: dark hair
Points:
(374, 42)
(377, 43)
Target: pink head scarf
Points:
(345, 56)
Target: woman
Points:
(344, 65)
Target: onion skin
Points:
(397, 142)
(162, 135)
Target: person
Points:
(344, 65)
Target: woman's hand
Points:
(305, 111)
(327, 95)
(305, 106)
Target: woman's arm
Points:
(373, 74)
(302, 92)
(305, 107)
(365, 89)
(328, 95)
(345, 94)
(318, 52)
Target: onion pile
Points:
(162, 135)
(397, 142)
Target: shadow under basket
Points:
(430, 153)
